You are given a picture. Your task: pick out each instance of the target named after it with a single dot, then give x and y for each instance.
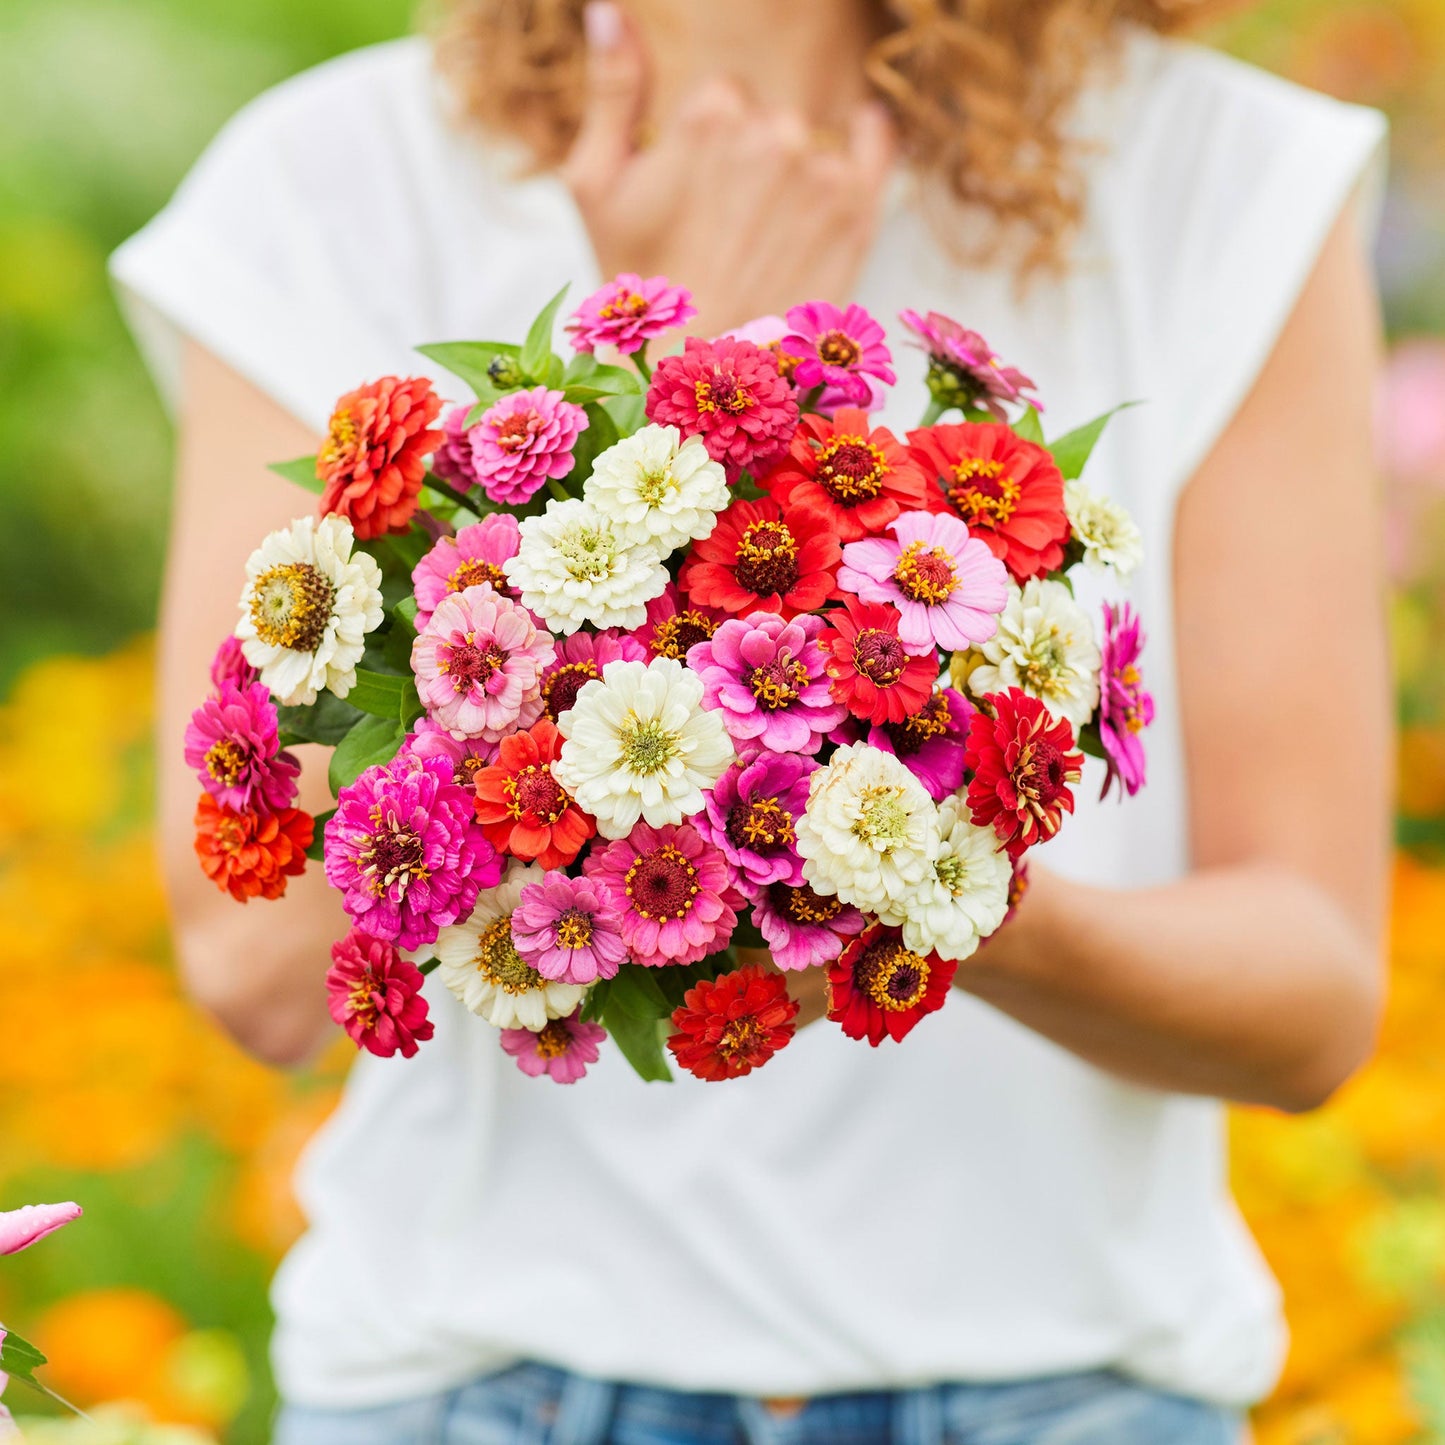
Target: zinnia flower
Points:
(879, 988)
(658, 489)
(873, 674)
(672, 891)
(475, 555)
(478, 665)
(480, 964)
(306, 608)
(1125, 709)
(803, 929)
(731, 395)
(453, 461)
(565, 928)
(523, 809)
(962, 369)
(524, 440)
(930, 743)
(232, 744)
(579, 659)
(837, 349)
(373, 460)
(752, 815)
(249, 854)
(1007, 489)
(1044, 646)
(1022, 761)
(761, 559)
(628, 312)
(965, 896)
(639, 744)
(574, 567)
(375, 995)
(406, 852)
(768, 681)
(947, 586)
(230, 665)
(672, 629)
(561, 1048)
(20, 1228)
(733, 1025)
(853, 478)
(1104, 529)
(466, 756)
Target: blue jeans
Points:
(536, 1405)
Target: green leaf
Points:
(635, 991)
(1029, 427)
(746, 934)
(373, 740)
(472, 360)
(1071, 452)
(596, 1001)
(628, 413)
(600, 433)
(317, 851)
(21, 1359)
(386, 696)
(326, 721)
(592, 381)
(641, 1043)
(405, 612)
(302, 471)
(537, 349)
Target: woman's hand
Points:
(740, 203)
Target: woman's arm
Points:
(257, 968)
(1258, 977)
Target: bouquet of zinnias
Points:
(630, 666)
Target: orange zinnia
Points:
(523, 809)
(248, 853)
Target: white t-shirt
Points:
(976, 1204)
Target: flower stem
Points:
(435, 484)
(558, 489)
(932, 411)
(639, 360)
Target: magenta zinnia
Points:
(523, 441)
(375, 995)
(1125, 709)
(232, 743)
(962, 368)
(628, 312)
(475, 555)
(579, 658)
(565, 929)
(230, 665)
(804, 929)
(838, 349)
(751, 815)
(453, 461)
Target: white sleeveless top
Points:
(976, 1204)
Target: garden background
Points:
(114, 1092)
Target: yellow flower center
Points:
(499, 962)
(925, 574)
(291, 606)
(983, 494)
(224, 761)
(645, 745)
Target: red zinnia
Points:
(1007, 489)
(878, 988)
(733, 1025)
(1021, 762)
(375, 995)
(523, 809)
(374, 457)
(760, 558)
(853, 479)
(246, 853)
(872, 672)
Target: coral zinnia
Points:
(1007, 489)
(232, 744)
(1125, 709)
(733, 1025)
(374, 457)
(837, 349)
(873, 674)
(375, 995)
(1022, 762)
(628, 312)
(962, 368)
(523, 809)
(761, 559)
(562, 1048)
(879, 988)
(250, 854)
(475, 555)
(524, 440)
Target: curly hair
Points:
(981, 91)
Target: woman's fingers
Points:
(613, 108)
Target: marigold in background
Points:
(878, 988)
(249, 854)
(375, 995)
(628, 312)
(562, 1048)
(523, 809)
(733, 1025)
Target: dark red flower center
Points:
(931, 721)
(225, 760)
(879, 655)
(763, 825)
(925, 574)
(779, 683)
(467, 769)
(662, 884)
(799, 904)
(892, 976)
(767, 560)
(560, 689)
(391, 858)
(515, 431)
(837, 348)
(721, 392)
(469, 665)
(473, 572)
(982, 493)
(742, 1039)
(532, 792)
(1041, 774)
(674, 635)
(851, 470)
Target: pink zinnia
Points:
(751, 814)
(931, 742)
(375, 995)
(20, 1228)
(628, 312)
(769, 679)
(475, 555)
(803, 929)
(478, 665)
(467, 756)
(672, 891)
(962, 368)
(561, 1048)
(453, 460)
(230, 665)
(947, 586)
(565, 929)
(578, 659)
(522, 441)
(729, 393)
(406, 852)
(1125, 709)
(232, 743)
(837, 349)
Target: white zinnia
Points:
(965, 896)
(1045, 646)
(575, 566)
(1105, 529)
(478, 961)
(640, 744)
(868, 832)
(306, 608)
(657, 489)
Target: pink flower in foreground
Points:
(475, 555)
(565, 929)
(20, 1228)
(1125, 709)
(522, 441)
(628, 312)
(962, 368)
(751, 814)
(837, 349)
(453, 461)
(233, 745)
(230, 665)
(561, 1048)
(803, 929)
(375, 995)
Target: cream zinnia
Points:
(965, 896)
(1108, 534)
(658, 489)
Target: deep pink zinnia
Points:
(962, 368)
(475, 555)
(837, 349)
(522, 441)
(931, 742)
(375, 995)
(628, 312)
(729, 393)
(230, 665)
(561, 1048)
(467, 756)
(1125, 709)
(672, 891)
(803, 929)
(769, 679)
(673, 627)
(406, 852)
(579, 658)
(566, 929)
(751, 814)
(453, 460)
(232, 743)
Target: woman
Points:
(1016, 1228)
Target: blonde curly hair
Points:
(981, 91)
